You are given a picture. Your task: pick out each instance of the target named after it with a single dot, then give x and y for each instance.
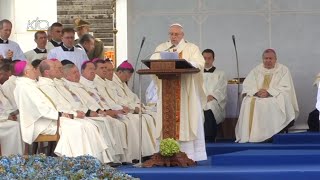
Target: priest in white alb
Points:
(40, 52)
(269, 103)
(215, 84)
(10, 136)
(54, 36)
(38, 115)
(8, 48)
(67, 50)
(193, 99)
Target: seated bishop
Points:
(269, 104)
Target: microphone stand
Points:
(137, 60)
(238, 76)
(139, 165)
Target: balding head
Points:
(47, 69)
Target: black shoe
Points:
(127, 163)
(135, 161)
(113, 164)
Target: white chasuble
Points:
(261, 118)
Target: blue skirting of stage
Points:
(297, 138)
(289, 157)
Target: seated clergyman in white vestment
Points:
(67, 50)
(39, 115)
(40, 52)
(106, 88)
(269, 103)
(8, 49)
(10, 136)
(49, 71)
(95, 104)
(215, 84)
(191, 133)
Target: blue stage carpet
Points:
(205, 171)
(268, 157)
(291, 156)
(221, 148)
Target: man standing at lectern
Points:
(192, 98)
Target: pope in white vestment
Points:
(10, 135)
(38, 115)
(270, 102)
(191, 135)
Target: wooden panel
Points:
(162, 65)
(168, 108)
(47, 138)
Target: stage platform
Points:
(286, 158)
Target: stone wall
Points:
(97, 12)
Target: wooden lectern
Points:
(169, 71)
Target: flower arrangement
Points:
(62, 168)
(169, 147)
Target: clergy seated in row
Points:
(107, 89)
(50, 69)
(55, 33)
(269, 104)
(67, 50)
(215, 84)
(73, 103)
(10, 136)
(39, 115)
(40, 52)
(8, 48)
(87, 92)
